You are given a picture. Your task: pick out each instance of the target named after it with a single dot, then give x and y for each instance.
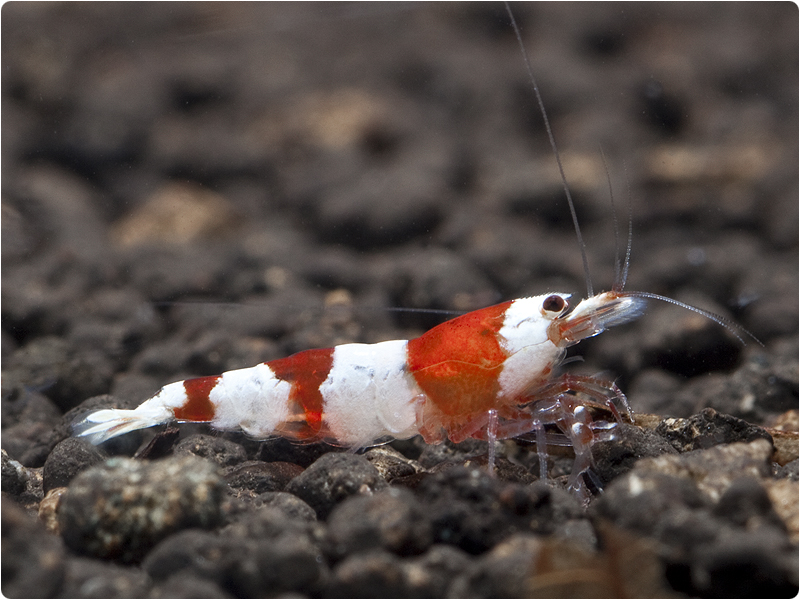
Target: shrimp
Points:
(487, 374)
(490, 374)
(446, 382)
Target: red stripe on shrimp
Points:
(305, 371)
(198, 407)
(457, 365)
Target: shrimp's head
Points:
(594, 315)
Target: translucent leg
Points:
(491, 438)
(598, 390)
(541, 448)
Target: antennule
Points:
(620, 267)
(627, 263)
(619, 282)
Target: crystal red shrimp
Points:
(443, 383)
(489, 374)
(496, 364)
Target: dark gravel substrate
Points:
(191, 188)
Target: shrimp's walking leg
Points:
(576, 422)
(595, 388)
(491, 438)
(541, 448)
(558, 403)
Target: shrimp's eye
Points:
(554, 304)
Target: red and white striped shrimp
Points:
(491, 373)
(446, 382)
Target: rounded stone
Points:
(122, 508)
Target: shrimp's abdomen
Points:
(350, 395)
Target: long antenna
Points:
(581, 244)
(620, 267)
(624, 277)
(621, 275)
